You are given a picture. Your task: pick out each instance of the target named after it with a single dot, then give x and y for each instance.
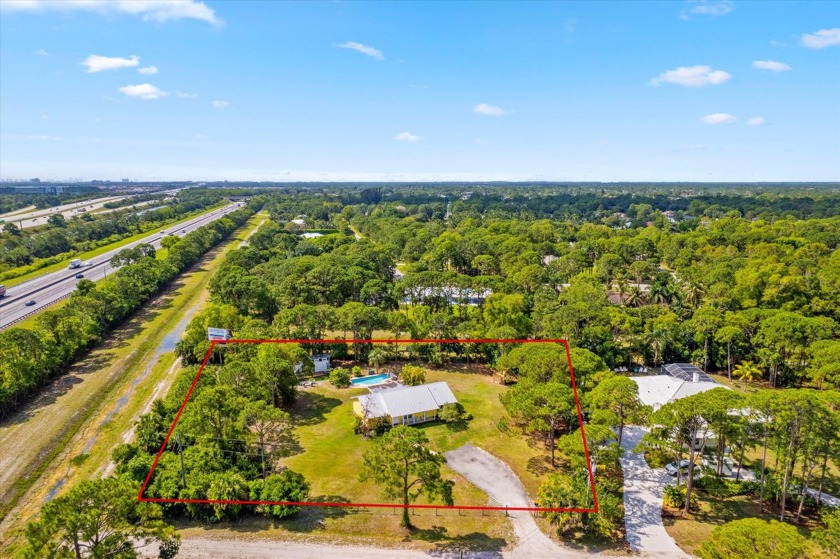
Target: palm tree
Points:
(694, 293)
(747, 372)
(658, 339)
(636, 297)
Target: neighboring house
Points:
(405, 405)
(678, 381)
(454, 295)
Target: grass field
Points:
(101, 250)
(68, 434)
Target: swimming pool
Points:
(368, 381)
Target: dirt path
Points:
(207, 548)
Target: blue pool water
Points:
(367, 381)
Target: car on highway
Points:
(672, 469)
(79, 276)
(30, 303)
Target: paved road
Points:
(49, 288)
(40, 217)
(643, 491)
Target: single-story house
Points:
(405, 405)
(677, 381)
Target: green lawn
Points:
(332, 457)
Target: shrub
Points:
(412, 375)
(373, 426)
(674, 496)
(452, 413)
(287, 486)
(722, 487)
(357, 371)
(753, 538)
(340, 378)
(829, 537)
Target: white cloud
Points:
(40, 52)
(45, 138)
(96, 63)
(406, 137)
(147, 10)
(185, 95)
(707, 8)
(148, 70)
(756, 121)
(692, 76)
(822, 38)
(364, 49)
(489, 110)
(220, 104)
(719, 118)
(143, 91)
(771, 65)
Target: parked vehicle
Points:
(672, 469)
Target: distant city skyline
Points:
(696, 91)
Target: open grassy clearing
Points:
(103, 249)
(45, 443)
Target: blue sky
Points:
(624, 91)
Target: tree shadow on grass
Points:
(310, 408)
(458, 426)
(540, 465)
(314, 518)
(309, 519)
(453, 546)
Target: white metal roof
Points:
(658, 390)
(407, 400)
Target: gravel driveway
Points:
(495, 478)
(643, 491)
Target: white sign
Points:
(218, 334)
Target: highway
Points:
(40, 217)
(49, 288)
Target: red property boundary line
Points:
(563, 341)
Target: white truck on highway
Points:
(75, 263)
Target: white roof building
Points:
(679, 381)
(418, 403)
